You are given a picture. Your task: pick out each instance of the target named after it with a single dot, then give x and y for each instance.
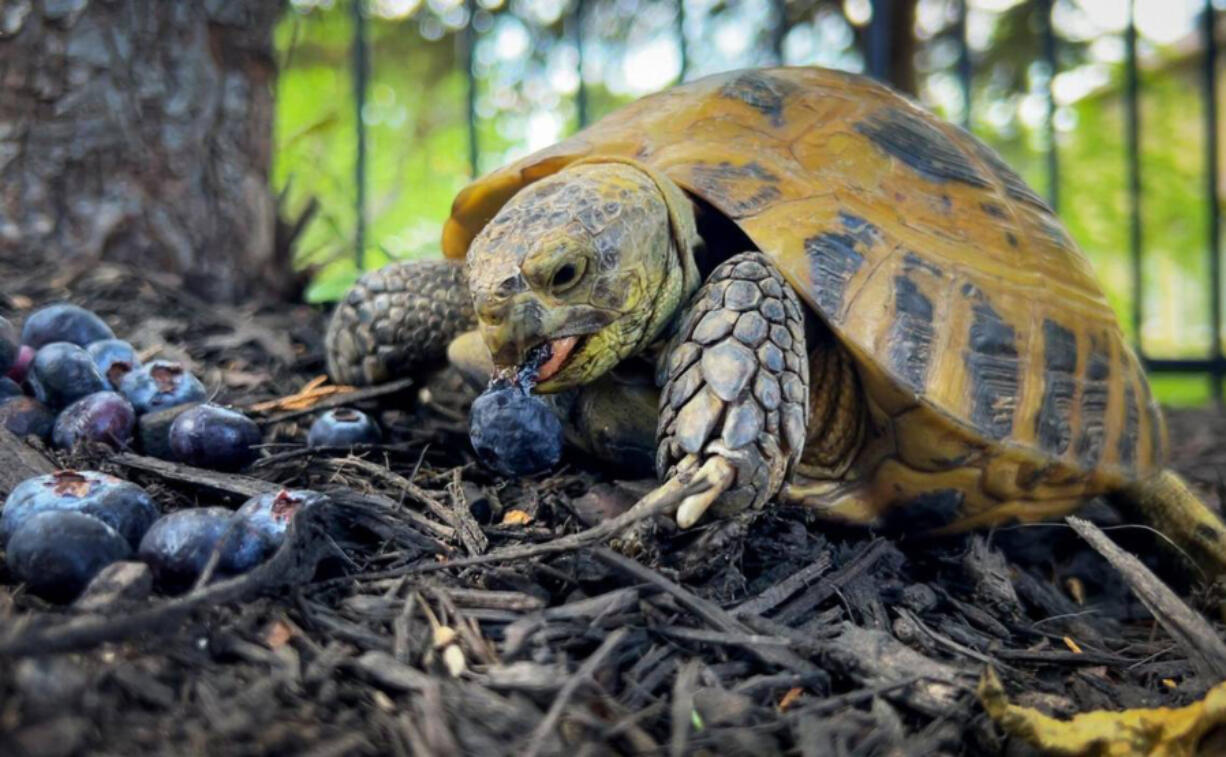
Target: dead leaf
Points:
(277, 634)
(790, 698)
(1159, 732)
(516, 518)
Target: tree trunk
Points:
(140, 131)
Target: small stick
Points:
(1206, 651)
(584, 673)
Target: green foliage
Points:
(418, 142)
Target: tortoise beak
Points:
(528, 336)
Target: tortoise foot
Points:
(397, 320)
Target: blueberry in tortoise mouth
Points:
(546, 359)
(513, 431)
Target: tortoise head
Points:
(582, 269)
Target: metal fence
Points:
(876, 52)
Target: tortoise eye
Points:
(567, 275)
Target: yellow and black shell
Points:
(977, 323)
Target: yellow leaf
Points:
(1072, 645)
(790, 698)
(1159, 732)
(516, 518)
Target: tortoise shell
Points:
(972, 314)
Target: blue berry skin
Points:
(63, 373)
(63, 322)
(178, 545)
(103, 417)
(114, 358)
(159, 385)
(21, 366)
(210, 436)
(123, 506)
(9, 389)
(262, 522)
(9, 346)
(343, 427)
(513, 432)
(56, 553)
(26, 416)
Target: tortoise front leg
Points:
(734, 405)
(396, 320)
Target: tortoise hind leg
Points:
(396, 320)
(1166, 503)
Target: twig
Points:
(779, 592)
(1205, 649)
(708, 612)
(390, 477)
(584, 673)
(661, 501)
(340, 400)
(232, 483)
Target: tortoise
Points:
(792, 284)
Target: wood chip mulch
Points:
(433, 608)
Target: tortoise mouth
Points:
(560, 351)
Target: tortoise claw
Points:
(718, 474)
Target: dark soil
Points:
(780, 635)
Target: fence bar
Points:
(964, 64)
(468, 39)
(682, 44)
(1208, 29)
(1049, 117)
(1132, 147)
(879, 40)
(576, 22)
(361, 82)
(779, 30)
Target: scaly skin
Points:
(737, 376)
(601, 251)
(396, 320)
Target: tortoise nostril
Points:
(509, 285)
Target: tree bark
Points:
(140, 131)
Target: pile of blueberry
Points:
(66, 379)
(60, 530)
(70, 380)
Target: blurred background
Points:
(453, 88)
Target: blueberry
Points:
(63, 323)
(153, 430)
(261, 524)
(159, 385)
(63, 373)
(8, 345)
(214, 437)
(9, 389)
(178, 545)
(114, 358)
(26, 416)
(514, 432)
(104, 417)
(123, 506)
(56, 553)
(21, 366)
(343, 427)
